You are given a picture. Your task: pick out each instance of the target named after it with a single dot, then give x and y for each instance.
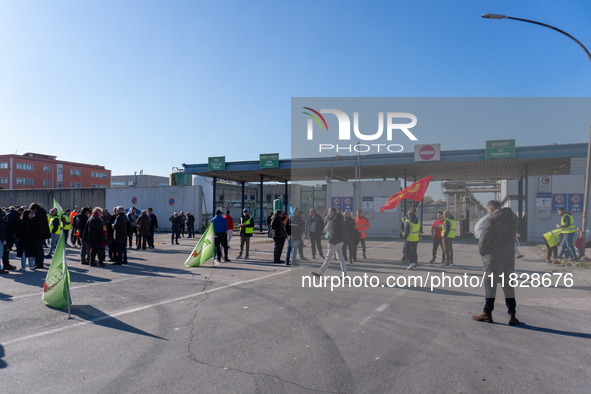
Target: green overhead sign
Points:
(500, 149)
(269, 161)
(217, 163)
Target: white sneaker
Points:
(412, 266)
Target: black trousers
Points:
(315, 242)
(221, 240)
(97, 250)
(490, 293)
(362, 241)
(351, 245)
(191, 230)
(437, 242)
(277, 249)
(410, 251)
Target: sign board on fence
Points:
(545, 184)
(543, 205)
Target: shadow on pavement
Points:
(552, 331)
(96, 316)
(2, 362)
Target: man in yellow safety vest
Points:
(246, 228)
(567, 225)
(449, 233)
(552, 239)
(411, 239)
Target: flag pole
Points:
(65, 269)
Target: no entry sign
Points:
(431, 152)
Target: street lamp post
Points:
(586, 200)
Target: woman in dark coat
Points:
(351, 242)
(26, 233)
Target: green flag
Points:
(57, 206)
(204, 249)
(57, 282)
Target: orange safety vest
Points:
(362, 224)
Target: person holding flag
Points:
(411, 239)
(220, 228)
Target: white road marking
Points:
(138, 309)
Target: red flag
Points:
(415, 191)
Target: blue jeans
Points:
(292, 243)
(54, 239)
(567, 242)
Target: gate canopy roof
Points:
(468, 164)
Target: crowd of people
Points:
(98, 233)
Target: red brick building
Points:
(38, 171)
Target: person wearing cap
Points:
(191, 225)
(220, 229)
(246, 228)
(230, 221)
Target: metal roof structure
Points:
(468, 164)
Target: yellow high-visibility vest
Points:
(571, 227)
(51, 225)
(553, 237)
(452, 228)
(67, 222)
(247, 230)
(414, 231)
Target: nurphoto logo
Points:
(345, 130)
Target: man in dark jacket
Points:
(9, 233)
(497, 248)
(120, 236)
(220, 230)
(278, 234)
(246, 228)
(2, 238)
(191, 225)
(143, 230)
(42, 225)
(81, 219)
(411, 239)
(95, 237)
(153, 226)
(314, 229)
(295, 229)
(337, 234)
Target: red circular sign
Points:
(575, 198)
(559, 199)
(171, 201)
(347, 201)
(545, 180)
(134, 200)
(336, 201)
(427, 152)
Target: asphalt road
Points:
(154, 326)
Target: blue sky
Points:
(153, 84)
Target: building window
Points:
(3, 181)
(277, 196)
(221, 197)
(269, 197)
(99, 185)
(252, 197)
(24, 166)
(60, 185)
(75, 172)
(3, 165)
(117, 183)
(74, 185)
(99, 175)
(60, 170)
(24, 181)
(46, 183)
(45, 168)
